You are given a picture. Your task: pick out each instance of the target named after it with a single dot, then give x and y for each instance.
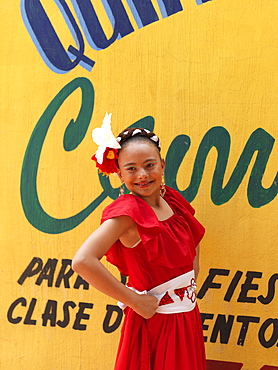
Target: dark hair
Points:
(135, 134)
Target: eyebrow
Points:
(148, 160)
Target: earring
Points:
(122, 190)
(162, 188)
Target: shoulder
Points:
(120, 205)
(138, 210)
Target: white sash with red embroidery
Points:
(176, 295)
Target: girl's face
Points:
(141, 169)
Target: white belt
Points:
(174, 296)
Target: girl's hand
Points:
(145, 305)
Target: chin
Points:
(146, 192)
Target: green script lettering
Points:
(218, 137)
(74, 134)
(259, 141)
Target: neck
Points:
(154, 201)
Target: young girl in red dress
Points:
(152, 237)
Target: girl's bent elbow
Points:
(82, 263)
(77, 264)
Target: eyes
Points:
(148, 166)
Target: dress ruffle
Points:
(169, 243)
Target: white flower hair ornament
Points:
(107, 152)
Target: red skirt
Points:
(166, 341)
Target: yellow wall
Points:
(207, 72)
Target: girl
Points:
(152, 237)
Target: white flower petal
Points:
(103, 135)
(99, 154)
(99, 135)
(106, 123)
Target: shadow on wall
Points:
(221, 365)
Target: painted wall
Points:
(204, 76)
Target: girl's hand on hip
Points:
(145, 305)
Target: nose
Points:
(142, 173)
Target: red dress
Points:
(167, 250)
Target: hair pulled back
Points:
(135, 134)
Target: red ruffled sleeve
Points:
(181, 206)
(147, 224)
(136, 208)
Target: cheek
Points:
(160, 171)
(126, 176)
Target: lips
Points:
(144, 184)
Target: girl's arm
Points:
(86, 263)
(196, 262)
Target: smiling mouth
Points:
(143, 184)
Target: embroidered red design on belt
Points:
(166, 299)
(180, 292)
(190, 291)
